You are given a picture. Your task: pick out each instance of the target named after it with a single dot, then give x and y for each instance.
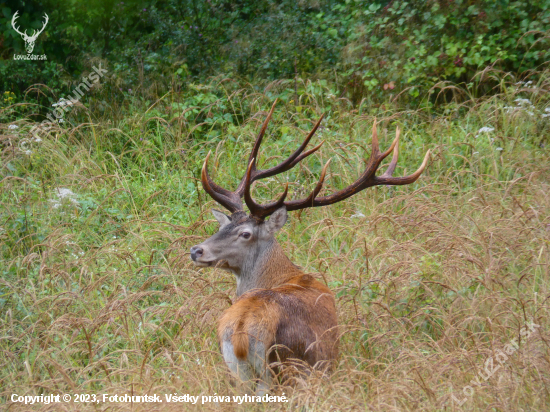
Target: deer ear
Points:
(277, 220)
(222, 218)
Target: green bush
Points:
(374, 49)
(416, 44)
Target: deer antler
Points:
(367, 179)
(15, 17)
(232, 200)
(35, 34)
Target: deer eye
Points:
(245, 235)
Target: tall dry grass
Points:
(98, 294)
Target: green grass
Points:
(98, 294)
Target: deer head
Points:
(29, 40)
(245, 244)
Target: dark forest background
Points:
(364, 48)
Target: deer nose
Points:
(196, 252)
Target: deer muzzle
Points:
(196, 252)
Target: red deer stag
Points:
(280, 312)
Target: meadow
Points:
(442, 286)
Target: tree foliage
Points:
(370, 48)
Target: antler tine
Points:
(403, 180)
(227, 199)
(211, 183)
(375, 147)
(376, 157)
(285, 165)
(318, 187)
(258, 142)
(395, 147)
(15, 17)
(255, 149)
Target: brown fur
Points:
(239, 340)
(299, 316)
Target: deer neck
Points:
(266, 267)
